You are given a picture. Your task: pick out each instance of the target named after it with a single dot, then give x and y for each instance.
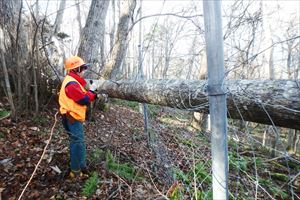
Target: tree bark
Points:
(79, 16)
(291, 140)
(92, 39)
(119, 49)
(34, 63)
(296, 141)
(268, 102)
(59, 17)
(112, 25)
(16, 46)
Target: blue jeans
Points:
(77, 143)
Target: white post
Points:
(217, 97)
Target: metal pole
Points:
(142, 75)
(217, 97)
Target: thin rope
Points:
(42, 156)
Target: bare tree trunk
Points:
(125, 67)
(129, 64)
(271, 64)
(152, 62)
(18, 63)
(117, 56)
(289, 61)
(192, 59)
(12, 24)
(257, 101)
(205, 122)
(297, 70)
(203, 67)
(272, 77)
(291, 133)
(59, 17)
(33, 55)
(79, 16)
(113, 26)
(264, 137)
(7, 85)
(91, 47)
(200, 121)
(275, 142)
(291, 140)
(296, 141)
(167, 56)
(269, 54)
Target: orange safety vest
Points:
(68, 105)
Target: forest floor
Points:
(123, 166)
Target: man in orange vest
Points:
(73, 101)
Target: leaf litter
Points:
(118, 131)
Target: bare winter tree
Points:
(79, 16)
(15, 48)
(118, 52)
(268, 63)
(21, 50)
(292, 50)
(91, 47)
(243, 26)
(172, 32)
(59, 17)
(112, 24)
(7, 85)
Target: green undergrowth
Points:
(90, 185)
(124, 170)
(273, 189)
(247, 163)
(96, 155)
(4, 113)
(198, 174)
(269, 179)
(237, 162)
(240, 162)
(131, 104)
(153, 110)
(40, 121)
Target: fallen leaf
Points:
(172, 188)
(20, 165)
(50, 156)
(34, 128)
(56, 169)
(5, 161)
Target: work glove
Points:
(93, 87)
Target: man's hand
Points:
(93, 87)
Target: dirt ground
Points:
(120, 131)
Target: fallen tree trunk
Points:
(274, 102)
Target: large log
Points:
(274, 102)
